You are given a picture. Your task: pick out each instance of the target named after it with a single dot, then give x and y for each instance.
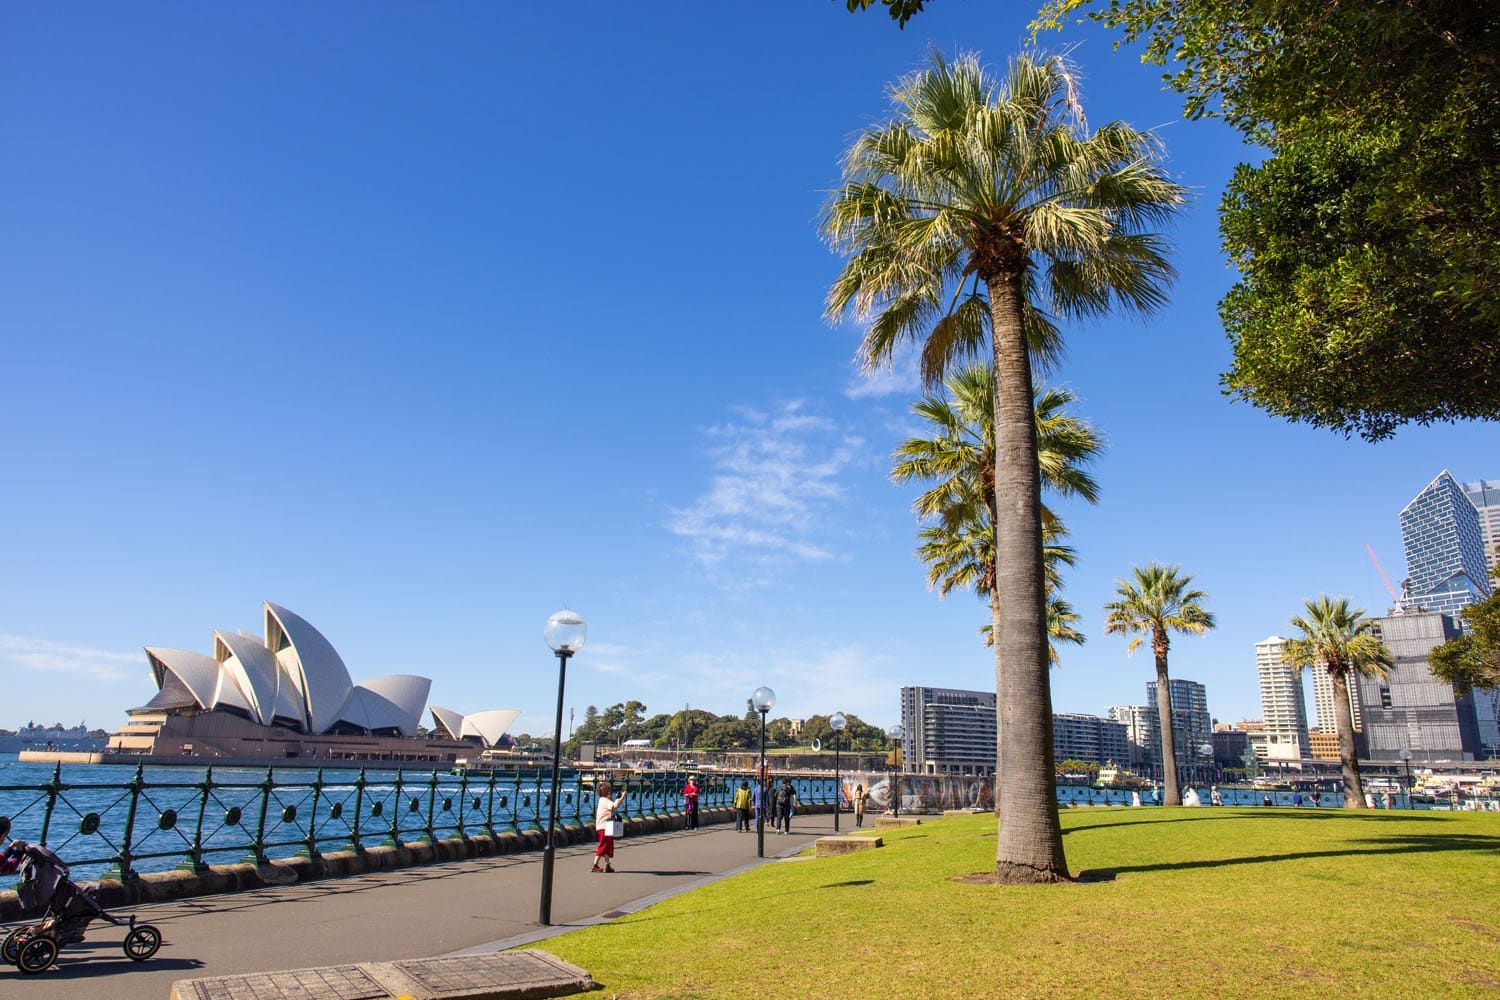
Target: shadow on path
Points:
(1417, 844)
(73, 966)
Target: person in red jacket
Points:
(690, 802)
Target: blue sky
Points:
(423, 320)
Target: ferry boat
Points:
(1119, 777)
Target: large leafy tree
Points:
(1368, 240)
(1473, 659)
(1341, 640)
(958, 458)
(983, 205)
(1158, 601)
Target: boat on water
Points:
(74, 739)
(1119, 777)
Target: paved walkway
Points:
(412, 913)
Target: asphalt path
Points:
(420, 912)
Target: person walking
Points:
(786, 799)
(860, 797)
(606, 822)
(1214, 797)
(1317, 799)
(742, 807)
(690, 803)
(759, 800)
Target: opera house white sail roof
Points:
(294, 678)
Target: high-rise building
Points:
(1409, 708)
(1232, 748)
(1485, 497)
(1281, 701)
(1446, 569)
(1138, 732)
(1191, 724)
(1076, 736)
(1323, 700)
(948, 731)
(1323, 744)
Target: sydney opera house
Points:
(288, 696)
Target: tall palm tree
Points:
(980, 209)
(1158, 602)
(959, 547)
(1342, 641)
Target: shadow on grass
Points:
(1264, 813)
(853, 881)
(1421, 844)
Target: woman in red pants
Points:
(606, 811)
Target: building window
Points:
(1385, 697)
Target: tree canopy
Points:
(1473, 659)
(699, 729)
(901, 11)
(1368, 241)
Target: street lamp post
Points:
(565, 633)
(761, 701)
(1405, 756)
(897, 735)
(1206, 751)
(837, 724)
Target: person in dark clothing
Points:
(786, 798)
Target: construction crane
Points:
(1383, 578)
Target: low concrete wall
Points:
(161, 886)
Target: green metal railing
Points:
(119, 830)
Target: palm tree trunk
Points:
(1354, 789)
(1172, 793)
(999, 696)
(1029, 847)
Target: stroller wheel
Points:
(37, 955)
(10, 948)
(141, 943)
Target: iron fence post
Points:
(54, 786)
(489, 809)
(515, 805)
(122, 868)
(463, 802)
(359, 801)
(310, 845)
(431, 807)
(195, 854)
(258, 849)
(394, 837)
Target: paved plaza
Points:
(464, 906)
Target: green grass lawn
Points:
(1195, 902)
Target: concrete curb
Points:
(155, 887)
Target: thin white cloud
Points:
(45, 656)
(775, 474)
(901, 376)
(844, 678)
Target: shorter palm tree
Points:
(1158, 602)
(1344, 642)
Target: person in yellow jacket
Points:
(742, 807)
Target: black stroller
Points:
(66, 909)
